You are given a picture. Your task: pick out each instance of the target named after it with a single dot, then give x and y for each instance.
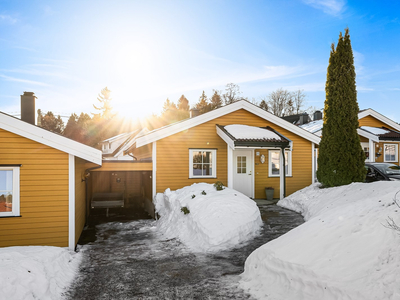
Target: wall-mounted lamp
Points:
(262, 158)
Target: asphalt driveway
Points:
(129, 259)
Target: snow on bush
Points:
(36, 272)
(216, 220)
(343, 251)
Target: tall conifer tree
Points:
(341, 158)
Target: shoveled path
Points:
(130, 260)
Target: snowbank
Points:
(343, 251)
(36, 272)
(218, 220)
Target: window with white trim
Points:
(391, 152)
(274, 163)
(9, 191)
(202, 163)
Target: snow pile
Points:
(343, 251)
(217, 220)
(36, 272)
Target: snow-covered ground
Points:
(36, 272)
(342, 251)
(218, 220)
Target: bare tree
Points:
(298, 101)
(279, 102)
(232, 93)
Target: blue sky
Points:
(146, 51)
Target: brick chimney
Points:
(28, 113)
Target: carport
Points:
(126, 182)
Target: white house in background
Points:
(115, 147)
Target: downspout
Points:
(131, 155)
(284, 171)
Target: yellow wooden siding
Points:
(143, 152)
(372, 122)
(380, 145)
(173, 155)
(44, 193)
(80, 196)
(124, 166)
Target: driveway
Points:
(130, 260)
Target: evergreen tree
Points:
(183, 103)
(105, 108)
(203, 105)
(169, 105)
(50, 122)
(71, 127)
(341, 158)
(216, 100)
(263, 105)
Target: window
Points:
(273, 163)
(241, 165)
(202, 163)
(9, 191)
(390, 152)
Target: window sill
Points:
(19, 216)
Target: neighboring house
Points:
(42, 182)
(247, 157)
(115, 147)
(379, 136)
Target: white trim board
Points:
(50, 139)
(164, 132)
(71, 202)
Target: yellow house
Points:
(239, 144)
(379, 136)
(42, 183)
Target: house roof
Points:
(383, 133)
(43, 136)
(378, 116)
(130, 139)
(119, 136)
(166, 131)
(238, 135)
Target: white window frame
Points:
(396, 149)
(288, 154)
(16, 193)
(213, 163)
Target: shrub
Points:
(219, 186)
(185, 210)
(203, 193)
(193, 196)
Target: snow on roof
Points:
(375, 130)
(251, 132)
(313, 126)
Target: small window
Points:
(241, 165)
(274, 163)
(390, 153)
(9, 191)
(202, 163)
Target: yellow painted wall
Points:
(44, 193)
(173, 155)
(372, 122)
(124, 166)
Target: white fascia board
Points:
(368, 135)
(243, 104)
(376, 115)
(131, 142)
(50, 139)
(226, 138)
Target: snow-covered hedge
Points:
(217, 220)
(343, 251)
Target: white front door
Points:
(243, 171)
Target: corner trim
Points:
(71, 202)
